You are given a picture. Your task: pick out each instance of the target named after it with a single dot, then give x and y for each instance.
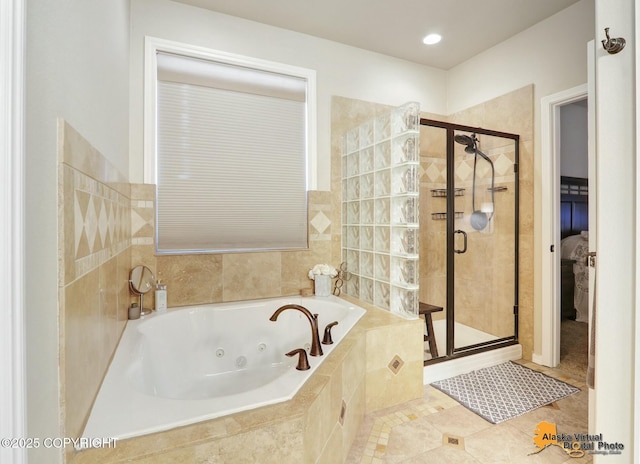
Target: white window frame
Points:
(154, 45)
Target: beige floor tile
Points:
(410, 439)
(504, 444)
(444, 454)
(412, 432)
(458, 421)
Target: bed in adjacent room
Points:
(574, 222)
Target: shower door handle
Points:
(464, 236)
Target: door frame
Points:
(12, 337)
(550, 220)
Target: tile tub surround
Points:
(317, 426)
(180, 368)
(94, 261)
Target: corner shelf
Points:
(443, 216)
(442, 193)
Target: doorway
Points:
(565, 231)
(574, 238)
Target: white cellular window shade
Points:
(231, 164)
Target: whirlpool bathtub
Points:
(201, 362)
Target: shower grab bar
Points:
(464, 236)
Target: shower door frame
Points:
(452, 352)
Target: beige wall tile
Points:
(354, 414)
(83, 347)
(319, 424)
(386, 389)
(177, 456)
(251, 275)
(275, 444)
(94, 259)
(353, 368)
(191, 279)
(66, 225)
(296, 265)
(333, 450)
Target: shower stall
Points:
(468, 238)
(430, 228)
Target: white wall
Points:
(76, 69)
(574, 160)
(553, 56)
(341, 70)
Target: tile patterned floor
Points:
(437, 429)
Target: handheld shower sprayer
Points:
(479, 219)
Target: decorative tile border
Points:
(96, 224)
(94, 217)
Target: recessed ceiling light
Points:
(432, 39)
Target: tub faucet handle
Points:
(327, 340)
(303, 362)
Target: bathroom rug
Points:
(502, 392)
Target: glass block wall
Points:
(380, 163)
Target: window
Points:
(229, 149)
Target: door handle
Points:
(464, 236)
(590, 259)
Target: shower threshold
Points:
(462, 365)
(465, 336)
(466, 360)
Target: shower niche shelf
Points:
(442, 193)
(443, 216)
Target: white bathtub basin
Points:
(201, 362)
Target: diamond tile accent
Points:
(103, 225)
(464, 171)
(503, 165)
(453, 441)
(91, 225)
(98, 222)
(432, 172)
(395, 364)
(137, 222)
(320, 222)
(483, 171)
(343, 412)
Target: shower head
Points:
(464, 139)
(469, 141)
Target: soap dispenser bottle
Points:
(161, 297)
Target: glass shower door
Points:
(433, 238)
(484, 251)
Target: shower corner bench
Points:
(427, 309)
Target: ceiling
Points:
(396, 27)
